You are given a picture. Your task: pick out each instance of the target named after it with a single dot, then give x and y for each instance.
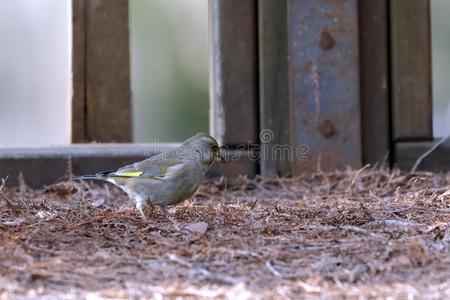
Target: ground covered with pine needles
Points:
(368, 233)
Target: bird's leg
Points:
(141, 212)
(145, 209)
(168, 216)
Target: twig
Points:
(69, 170)
(423, 156)
(391, 222)
(354, 229)
(400, 209)
(3, 183)
(22, 188)
(205, 272)
(356, 177)
(446, 193)
(254, 204)
(272, 269)
(366, 212)
(9, 203)
(375, 196)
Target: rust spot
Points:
(327, 129)
(327, 41)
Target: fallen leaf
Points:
(172, 210)
(42, 214)
(199, 227)
(14, 222)
(98, 202)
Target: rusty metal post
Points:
(324, 84)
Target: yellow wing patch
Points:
(132, 173)
(162, 168)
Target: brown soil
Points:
(370, 233)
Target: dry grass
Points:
(357, 234)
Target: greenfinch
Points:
(167, 178)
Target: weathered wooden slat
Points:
(324, 83)
(78, 71)
(411, 69)
(234, 87)
(273, 87)
(374, 72)
(101, 71)
(407, 153)
(47, 165)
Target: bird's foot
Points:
(169, 217)
(146, 211)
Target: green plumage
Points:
(167, 178)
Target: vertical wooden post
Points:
(234, 67)
(276, 155)
(374, 76)
(78, 117)
(411, 70)
(101, 102)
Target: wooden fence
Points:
(347, 82)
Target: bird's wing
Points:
(158, 167)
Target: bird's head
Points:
(202, 147)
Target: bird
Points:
(167, 178)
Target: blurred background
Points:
(34, 72)
(169, 70)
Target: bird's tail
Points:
(98, 176)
